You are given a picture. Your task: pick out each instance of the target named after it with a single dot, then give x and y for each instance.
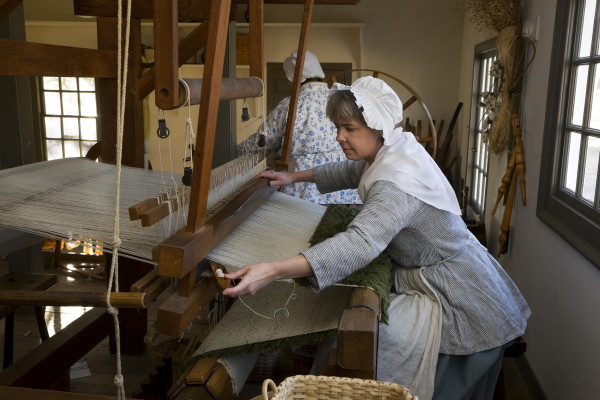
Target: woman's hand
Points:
(252, 278)
(256, 276)
(278, 178)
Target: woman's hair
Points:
(342, 106)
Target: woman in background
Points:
(313, 137)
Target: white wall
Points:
(562, 287)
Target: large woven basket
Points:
(311, 387)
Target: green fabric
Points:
(377, 275)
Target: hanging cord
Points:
(122, 67)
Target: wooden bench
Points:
(22, 281)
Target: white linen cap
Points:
(382, 108)
(312, 67)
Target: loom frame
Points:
(190, 246)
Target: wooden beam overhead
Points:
(37, 59)
(188, 46)
(166, 55)
(188, 10)
(6, 7)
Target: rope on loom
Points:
(114, 269)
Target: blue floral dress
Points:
(313, 142)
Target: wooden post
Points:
(284, 162)
(256, 30)
(166, 58)
(207, 118)
(357, 335)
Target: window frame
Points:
(566, 215)
(482, 51)
(42, 115)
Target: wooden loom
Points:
(179, 255)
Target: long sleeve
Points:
(339, 175)
(385, 212)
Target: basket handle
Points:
(265, 387)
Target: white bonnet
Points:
(312, 67)
(382, 108)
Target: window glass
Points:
(585, 44)
(72, 148)
(88, 128)
(580, 92)
(54, 149)
(590, 175)
(71, 128)
(70, 104)
(53, 127)
(52, 103)
(69, 84)
(595, 111)
(87, 85)
(572, 161)
(88, 104)
(50, 83)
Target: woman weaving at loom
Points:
(313, 136)
(454, 309)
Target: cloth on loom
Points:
(313, 316)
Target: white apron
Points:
(409, 345)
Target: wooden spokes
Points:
(430, 140)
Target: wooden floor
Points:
(95, 372)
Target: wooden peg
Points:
(506, 180)
(519, 156)
(505, 225)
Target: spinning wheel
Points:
(432, 139)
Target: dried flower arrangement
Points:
(502, 103)
(492, 14)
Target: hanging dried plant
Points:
(492, 14)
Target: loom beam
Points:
(231, 89)
(69, 298)
(181, 252)
(191, 10)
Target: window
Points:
(569, 195)
(69, 116)
(483, 84)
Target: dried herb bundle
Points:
(492, 14)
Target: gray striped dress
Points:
(482, 307)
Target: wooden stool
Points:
(22, 281)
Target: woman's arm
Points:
(277, 178)
(256, 276)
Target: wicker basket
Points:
(311, 387)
